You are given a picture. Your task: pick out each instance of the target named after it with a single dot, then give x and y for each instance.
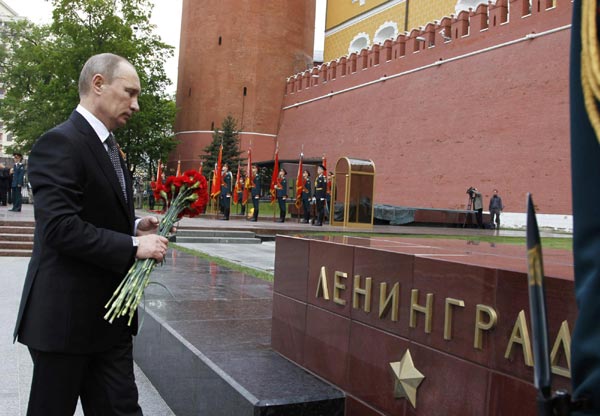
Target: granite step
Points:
(216, 240)
(15, 253)
(16, 237)
(16, 245)
(16, 229)
(213, 233)
(17, 223)
(191, 236)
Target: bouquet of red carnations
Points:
(185, 195)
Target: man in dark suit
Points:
(18, 176)
(86, 238)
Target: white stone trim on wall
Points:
(556, 222)
(354, 43)
(385, 25)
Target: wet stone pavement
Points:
(206, 345)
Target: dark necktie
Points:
(113, 153)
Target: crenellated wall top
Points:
(447, 35)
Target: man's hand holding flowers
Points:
(150, 244)
(183, 195)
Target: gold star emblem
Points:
(407, 379)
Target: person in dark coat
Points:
(18, 177)
(86, 239)
(281, 193)
(496, 207)
(4, 184)
(320, 194)
(306, 196)
(256, 191)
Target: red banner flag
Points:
(249, 180)
(216, 186)
(236, 188)
(275, 176)
(299, 183)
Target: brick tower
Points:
(235, 56)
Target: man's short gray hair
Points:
(105, 64)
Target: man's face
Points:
(281, 173)
(254, 170)
(120, 98)
(320, 170)
(17, 159)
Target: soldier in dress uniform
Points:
(585, 165)
(226, 189)
(281, 189)
(330, 179)
(306, 196)
(240, 192)
(320, 194)
(256, 189)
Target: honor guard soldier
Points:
(306, 196)
(585, 162)
(320, 194)
(256, 187)
(328, 196)
(281, 188)
(240, 192)
(226, 189)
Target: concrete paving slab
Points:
(256, 256)
(15, 363)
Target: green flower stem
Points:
(128, 294)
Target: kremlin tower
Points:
(235, 57)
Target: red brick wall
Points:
(496, 119)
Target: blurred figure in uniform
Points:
(306, 196)
(320, 194)
(585, 166)
(281, 189)
(256, 191)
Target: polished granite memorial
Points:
(408, 326)
(206, 346)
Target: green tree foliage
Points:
(40, 65)
(229, 136)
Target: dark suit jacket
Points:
(82, 244)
